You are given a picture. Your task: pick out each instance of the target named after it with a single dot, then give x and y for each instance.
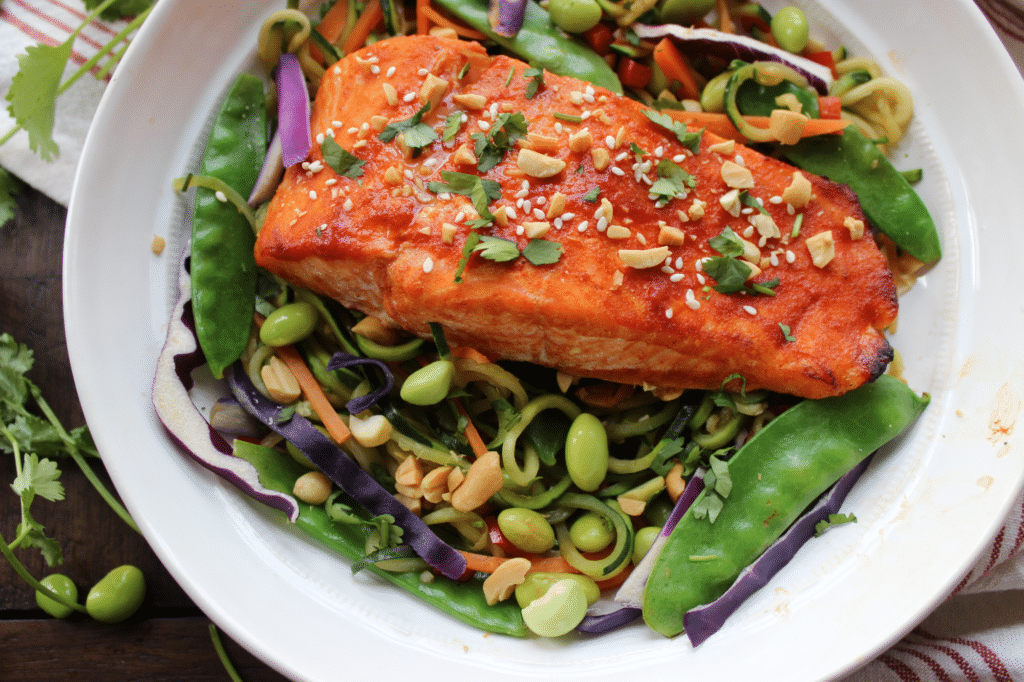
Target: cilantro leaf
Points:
(119, 9)
(708, 506)
(536, 77)
(342, 161)
(416, 133)
(472, 239)
(786, 332)
(727, 243)
(39, 477)
(542, 252)
(497, 249)
(10, 186)
(480, 191)
(747, 199)
(33, 94)
(833, 520)
(730, 273)
(490, 147)
(451, 126)
(592, 195)
(672, 180)
(690, 140)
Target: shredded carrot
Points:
(422, 20)
(372, 15)
(676, 68)
(720, 125)
(314, 394)
(486, 563)
(725, 24)
(438, 19)
(331, 27)
(466, 353)
(472, 435)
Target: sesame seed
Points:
(776, 200)
(519, 202)
(679, 262)
(602, 224)
(329, 132)
(391, 72)
(658, 151)
(407, 173)
(568, 216)
(617, 171)
(585, 115)
(668, 313)
(331, 181)
(739, 161)
(423, 72)
(409, 97)
(337, 124)
(558, 127)
(494, 110)
(484, 125)
(610, 142)
(677, 277)
(319, 138)
(510, 212)
(699, 265)
(520, 230)
(430, 163)
(750, 309)
(539, 214)
(373, 60)
(582, 227)
(465, 117)
(557, 222)
(679, 158)
(444, 196)
(790, 256)
(374, 69)
(667, 270)
(621, 156)
(220, 196)
(428, 264)
(700, 278)
(348, 205)
(541, 200)
(525, 184)
(576, 97)
(460, 216)
(312, 194)
(774, 260)
(691, 301)
(527, 206)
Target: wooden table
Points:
(169, 638)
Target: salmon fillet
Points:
(630, 298)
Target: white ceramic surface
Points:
(926, 508)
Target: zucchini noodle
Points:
(279, 29)
(524, 475)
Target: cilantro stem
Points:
(92, 61)
(20, 569)
(222, 654)
(72, 449)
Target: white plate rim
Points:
(98, 367)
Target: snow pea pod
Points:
(540, 43)
(222, 264)
(888, 200)
(463, 600)
(775, 476)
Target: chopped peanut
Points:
(433, 90)
(644, 258)
(670, 236)
(280, 382)
(736, 176)
(539, 165)
(798, 193)
(557, 205)
(601, 158)
(483, 479)
(855, 226)
(501, 584)
(470, 100)
(822, 248)
(581, 140)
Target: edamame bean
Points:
(712, 97)
(537, 584)
(685, 12)
(560, 610)
(62, 585)
(645, 537)
(575, 16)
(526, 529)
(591, 532)
(117, 595)
(586, 452)
(791, 29)
(288, 324)
(429, 385)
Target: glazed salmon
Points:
(592, 240)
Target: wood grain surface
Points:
(169, 639)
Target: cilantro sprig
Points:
(729, 271)
(480, 191)
(342, 161)
(32, 439)
(687, 138)
(490, 147)
(36, 86)
(416, 133)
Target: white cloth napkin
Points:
(977, 635)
